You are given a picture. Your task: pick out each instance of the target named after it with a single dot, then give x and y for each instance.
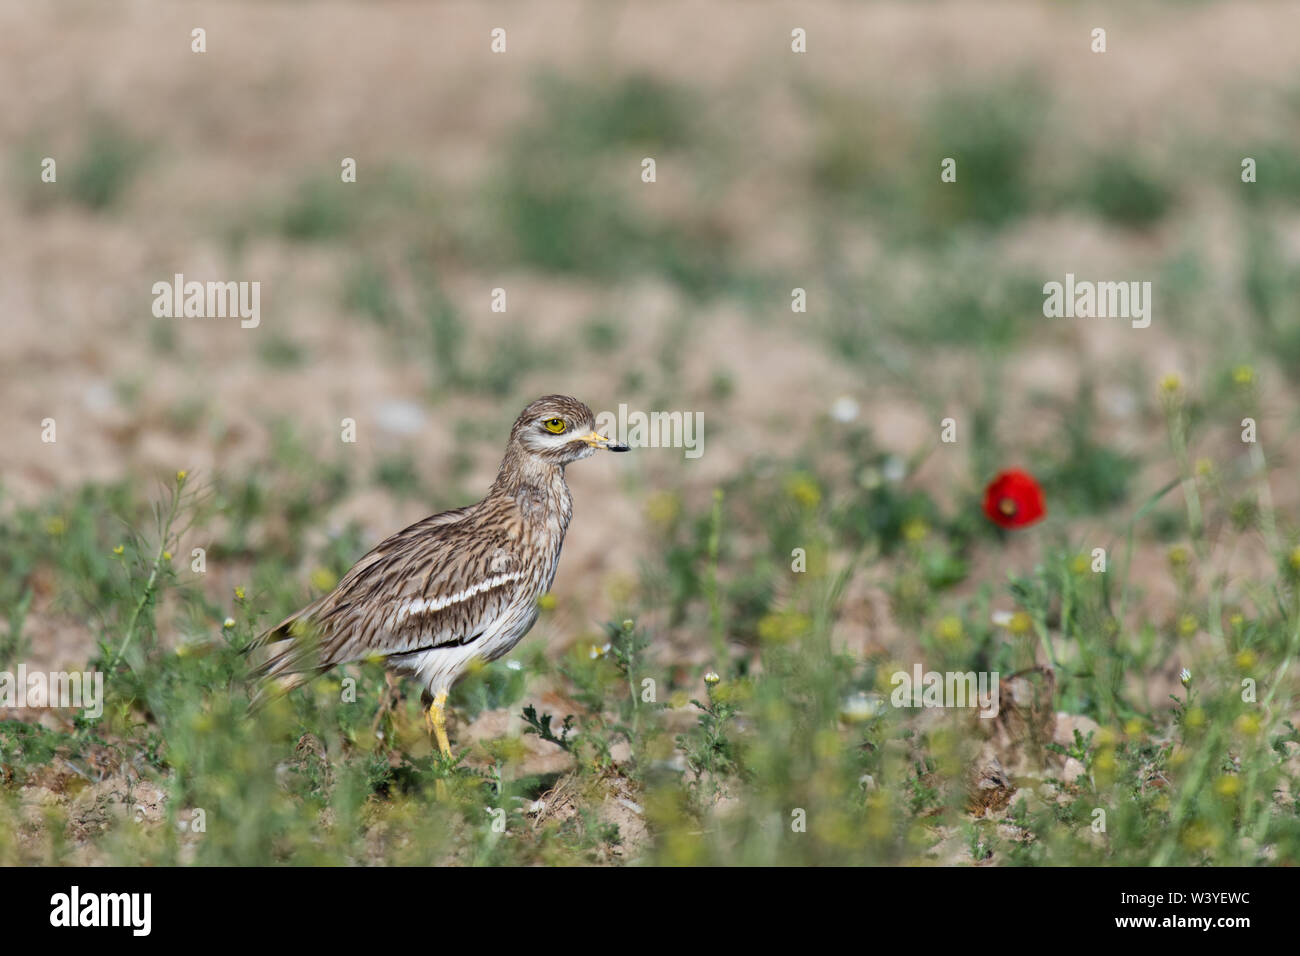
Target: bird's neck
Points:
(536, 487)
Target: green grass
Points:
(966, 301)
(96, 173)
(1270, 286)
(1122, 190)
(320, 209)
(885, 163)
(109, 161)
(1277, 175)
(563, 194)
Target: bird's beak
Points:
(596, 440)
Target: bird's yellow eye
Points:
(555, 426)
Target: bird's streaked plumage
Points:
(456, 586)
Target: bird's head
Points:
(558, 429)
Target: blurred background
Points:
(522, 171)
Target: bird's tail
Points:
(283, 658)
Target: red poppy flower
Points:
(1013, 499)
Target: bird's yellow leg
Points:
(436, 721)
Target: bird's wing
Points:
(439, 582)
(422, 600)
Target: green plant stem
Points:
(147, 595)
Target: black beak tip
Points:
(619, 447)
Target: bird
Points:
(452, 588)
